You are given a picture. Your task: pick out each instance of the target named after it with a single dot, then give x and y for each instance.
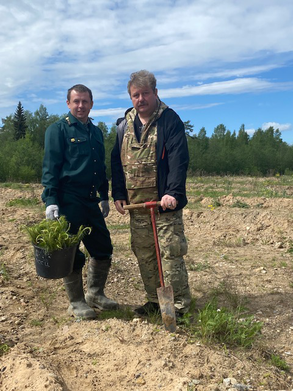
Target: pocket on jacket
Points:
(78, 146)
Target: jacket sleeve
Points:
(119, 191)
(52, 163)
(177, 157)
(103, 189)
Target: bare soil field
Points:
(240, 245)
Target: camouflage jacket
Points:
(172, 159)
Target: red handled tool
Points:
(165, 294)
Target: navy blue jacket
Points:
(172, 159)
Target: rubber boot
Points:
(74, 289)
(97, 274)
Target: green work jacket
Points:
(74, 161)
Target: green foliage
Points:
(4, 272)
(23, 202)
(4, 348)
(23, 161)
(227, 153)
(278, 362)
(224, 153)
(231, 328)
(240, 204)
(199, 266)
(19, 122)
(121, 313)
(109, 144)
(188, 127)
(54, 234)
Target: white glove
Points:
(52, 212)
(105, 208)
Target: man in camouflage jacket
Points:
(149, 163)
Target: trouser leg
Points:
(173, 246)
(142, 244)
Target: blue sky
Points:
(228, 62)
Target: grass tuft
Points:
(231, 328)
(23, 202)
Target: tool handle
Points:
(158, 252)
(146, 205)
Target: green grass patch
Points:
(221, 325)
(15, 185)
(240, 204)
(121, 313)
(279, 363)
(199, 266)
(23, 202)
(36, 323)
(215, 186)
(4, 272)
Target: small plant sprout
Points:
(54, 234)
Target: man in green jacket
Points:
(74, 174)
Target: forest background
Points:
(224, 153)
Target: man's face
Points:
(144, 100)
(80, 105)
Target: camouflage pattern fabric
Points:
(173, 246)
(139, 159)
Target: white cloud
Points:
(113, 112)
(46, 47)
(276, 125)
(54, 41)
(236, 86)
(250, 131)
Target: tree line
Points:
(224, 153)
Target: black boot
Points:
(97, 274)
(74, 289)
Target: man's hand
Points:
(119, 206)
(169, 202)
(105, 208)
(52, 212)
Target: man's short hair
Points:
(79, 88)
(142, 79)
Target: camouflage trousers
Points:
(173, 246)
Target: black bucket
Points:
(54, 264)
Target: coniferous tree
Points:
(19, 122)
(188, 127)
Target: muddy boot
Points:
(74, 289)
(97, 274)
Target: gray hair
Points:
(79, 88)
(142, 79)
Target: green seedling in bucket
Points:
(55, 246)
(54, 234)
